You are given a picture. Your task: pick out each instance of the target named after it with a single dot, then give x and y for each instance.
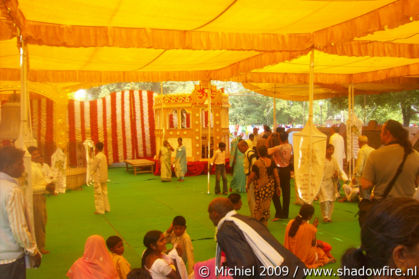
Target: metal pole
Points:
(349, 129)
(274, 110)
(310, 115)
(162, 116)
(25, 137)
(311, 88)
(209, 137)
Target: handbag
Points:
(365, 205)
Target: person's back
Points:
(338, 142)
(240, 254)
(301, 243)
(300, 239)
(363, 154)
(9, 247)
(101, 168)
(17, 242)
(96, 262)
(382, 165)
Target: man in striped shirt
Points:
(15, 235)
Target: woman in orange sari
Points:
(96, 262)
(300, 239)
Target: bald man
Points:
(249, 247)
(364, 152)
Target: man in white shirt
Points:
(352, 191)
(337, 141)
(218, 160)
(40, 186)
(100, 177)
(15, 235)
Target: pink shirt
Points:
(281, 154)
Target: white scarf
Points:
(266, 254)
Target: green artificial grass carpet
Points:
(142, 203)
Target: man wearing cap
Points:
(351, 191)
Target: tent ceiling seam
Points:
(152, 61)
(216, 17)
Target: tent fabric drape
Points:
(262, 41)
(123, 121)
(72, 35)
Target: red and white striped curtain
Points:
(42, 116)
(123, 121)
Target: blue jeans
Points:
(220, 171)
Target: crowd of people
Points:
(387, 177)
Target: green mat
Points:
(142, 203)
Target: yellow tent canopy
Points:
(264, 44)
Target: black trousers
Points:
(282, 211)
(14, 270)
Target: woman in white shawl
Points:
(165, 156)
(180, 161)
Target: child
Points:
(236, 200)
(300, 239)
(219, 159)
(116, 247)
(328, 186)
(180, 239)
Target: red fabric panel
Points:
(171, 121)
(142, 124)
(72, 134)
(93, 121)
(49, 137)
(124, 134)
(194, 168)
(39, 119)
(105, 128)
(133, 125)
(151, 122)
(114, 130)
(82, 122)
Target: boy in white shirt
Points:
(219, 159)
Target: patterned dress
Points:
(264, 189)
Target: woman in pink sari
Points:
(96, 262)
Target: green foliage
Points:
(250, 108)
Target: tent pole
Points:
(310, 115)
(25, 137)
(162, 118)
(349, 130)
(274, 110)
(311, 88)
(209, 138)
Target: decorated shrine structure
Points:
(186, 116)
